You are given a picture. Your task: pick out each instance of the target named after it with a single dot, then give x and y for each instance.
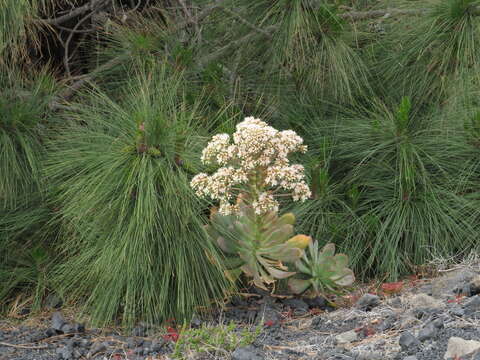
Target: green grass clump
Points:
(134, 244)
(214, 341)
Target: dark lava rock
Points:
(388, 323)
(195, 322)
(67, 329)
(250, 316)
(238, 301)
(457, 311)
(474, 286)
(97, 347)
(438, 323)
(58, 321)
(50, 332)
(138, 351)
(368, 301)
(335, 355)
(35, 336)
(318, 302)
(79, 328)
(472, 306)
(140, 331)
(157, 345)
(429, 331)
(269, 315)
(368, 355)
(65, 353)
(24, 311)
(408, 341)
(246, 353)
(132, 343)
(53, 302)
(299, 306)
(424, 312)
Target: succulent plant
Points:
(321, 271)
(257, 246)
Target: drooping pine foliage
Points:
(25, 122)
(435, 51)
(387, 101)
(402, 180)
(120, 168)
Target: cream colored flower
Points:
(255, 163)
(265, 203)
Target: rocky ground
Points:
(416, 319)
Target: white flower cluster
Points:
(256, 163)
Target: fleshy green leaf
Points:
(298, 286)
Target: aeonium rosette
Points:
(253, 170)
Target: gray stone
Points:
(407, 341)
(50, 332)
(318, 302)
(429, 331)
(424, 301)
(412, 357)
(387, 323)
(424, 313)
(131, 343)
(195, 322)
(97, 347)
(472, 306)
(246, 353)
(438, 323)
(65, 353)
(140, 331)
(67, 329)
(78, 328)
(138, 351)
(474, 286)
(268, 314)
(298, 305)
(449, 282)
(157, 345)
(58, 321)
(458, 347)
(53, 302)
(368, 355)
(368, 301)
(396, 302)
(457, 311)
(346, 337)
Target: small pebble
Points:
(58, 321)
(429, 331)
(368, 301)
(407, 341)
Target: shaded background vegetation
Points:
(106, 105)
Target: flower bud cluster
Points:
(255, 163)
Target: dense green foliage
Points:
(97, 149)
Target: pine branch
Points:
(364, 15)
(246, 22)
(234, 44)
(70, 91)
(74, 13)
